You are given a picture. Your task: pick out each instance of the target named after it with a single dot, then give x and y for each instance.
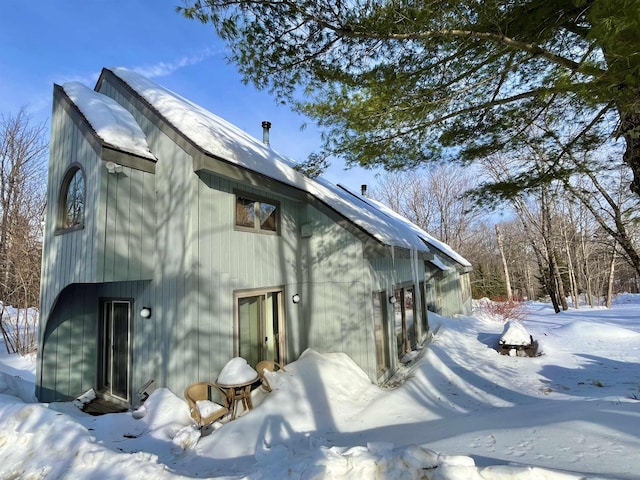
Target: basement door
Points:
(115, 354)
(260, 326)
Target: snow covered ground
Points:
(461, 412)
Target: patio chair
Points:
(269, 366)
(207, 403)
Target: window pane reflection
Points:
(74, 201)
(256, 215)
(245, 212)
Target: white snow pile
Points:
(461, 411)
(514, 333)
(237, 371)
(113, 124)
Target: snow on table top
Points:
(111, 122)
(237, 372)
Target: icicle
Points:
(414, 264)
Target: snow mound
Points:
(237, 371)
(17, 387)
(514, 333)
(588, 330)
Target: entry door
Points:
(115, 357)
(404, 312)
(259, 327)
(381, 332)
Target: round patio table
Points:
(238, 392)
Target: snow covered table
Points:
(236, 379)
(516, 341)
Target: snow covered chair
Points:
(269, 366)
(207, 403)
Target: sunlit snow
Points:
(458, 411)
(111, 122)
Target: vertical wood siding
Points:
(69, 354)
(115, 244)
(167, 240)
(337, 314)
(69, 257)
(126, 226)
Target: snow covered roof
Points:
(112, 123)
(221, 139)
(438, 263)
(406, 224)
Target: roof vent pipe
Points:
(363, 190)
(265, 132)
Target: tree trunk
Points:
(612, 267)
(630, 130)
(507, 280)
(562, 294)
(573, 287)
(586, 269)
(528, 277)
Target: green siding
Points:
(126, 226)
(337, 315)
(69, 362)
(68, 257)
(70, 347)
(116, 244)
(167, 240)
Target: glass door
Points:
(259, 327)
(381, 332)
(404, 314)
(115, 348)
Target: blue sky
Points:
(43, 42)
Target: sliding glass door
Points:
(115, 352)
(259, 326)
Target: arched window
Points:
(72, 199)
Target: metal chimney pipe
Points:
(363, 190)
(265, 131)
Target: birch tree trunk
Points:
(612, 267)
(573, 287)
(505, 268)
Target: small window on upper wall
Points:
(72, 198)
(256, 215)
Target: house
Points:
(175, 241)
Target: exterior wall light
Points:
(392, 299)
(145, 312)
(113, 167)
(295, 298)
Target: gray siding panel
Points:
(127, 225)
(110, 247)
(68, 257)
(331, 314)
(339, 310)
(70, 356)
(167, 240)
